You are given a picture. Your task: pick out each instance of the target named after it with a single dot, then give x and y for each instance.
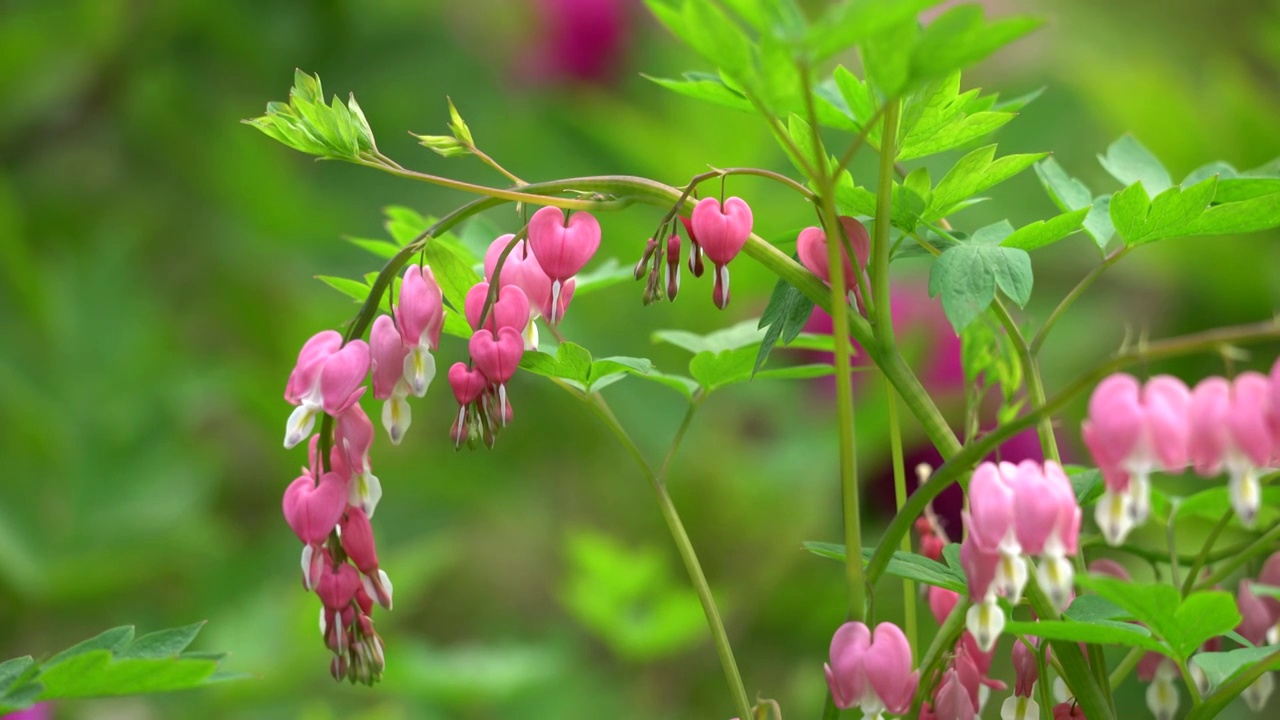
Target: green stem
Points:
(900, 499)
(1071, 297)
(1043, 685)
(961, 463)
(1035, 386)
(1229, 565)
(1126, 665)
(685, 547)
(1192, 688)
(1076, 673)
(1203, 555)
(880, 241)
(859, 140)
(943, 641)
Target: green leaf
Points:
(714, 36)
(111, 663)
(1129, 162)
(1098, 222)
(886, 57)
(1104, 632)
(1219, 667)
(443, 145)
(908, 205)
(1046, 232)
(959, 38)
(902, 564)
(353, 289)
(571, 362)
(861, 102)
(452, 266)
(405, 225)
(740, 335)
(162, 643)
(966, 276)
(849, 23)
(1213, 503)
(1092, 608)
(705, 86)
(802, 136)
(1067, 192)
(381, 248)
(714, 370)
(1087, 484)
(974, 173)
(1183, 624)
(937, 119)
(852, 199)
(1140, 220)
(1260, 213)
(458, 126)
(784, 317)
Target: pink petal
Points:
(387, 352)
(888, 668)
(562, 248)
(337, 588)
(941, 602)
(357, 541)
(990, 507)
(497, 358)
(1247, 420)
(313, 510)
(306, 372)
(1167, 400)
(845, 674)
(510, 310)
(1209, 410)
(342, 379)
(722, 232)
(1116, 416)
(354, 437)
(420, 311)
(467, 383)
(979, 567)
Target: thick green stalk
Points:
(900, 499)
(1092, 698)
(880, 241)
(1203, 555)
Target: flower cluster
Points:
(1135, 429)
(871, 671)
(1260, 624)
(717, 231)
(964, 684)
(1017, 510)
(330, 505)
(329, 510)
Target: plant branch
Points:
(1072, 296)
(1203, 556)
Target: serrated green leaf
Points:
(902, 564)
(1092, 608)
(705, 86)
(1260, 213)
(783, 319)
(959, 38)
(1172, 213)
(849, 23)
(714, 370)
(109, 640)
(1046, 232)
(960, 133)
(162, 643)
(612, 367)
(1219, 667)
(802, 136)
(975, 172)
(966, 276)
(452, 265)
(938, 118)
(1214, 502)
(861, 101)
(908, 206)
(405, 225)
(714, 36)
(96, 674)
(458, 126)
(571, 362)
(1129, 162)
(681, 384)
(1098, 222)
(853, 200)
(353, 289)
(443, 145)
(11, 670)
(1183, 624)
(1067, 192)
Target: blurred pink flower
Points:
(579, 41)
(41, 711)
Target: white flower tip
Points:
(985, 621)
(1055, 575)
(1114, 516)
(298, 428)
(1019, 708)
(1162, 699)
(1257, 694)
(1246, 496)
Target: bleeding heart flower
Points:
(510, 310)
(811, 247)
(562, 248)
(312, 510)
(722, 232)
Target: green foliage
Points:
(975, 172)
(967, 275)
(1129, 162)
(1072, 195)
(629, 598)
(574, 364)
(959, 38)
(1220, 667)
(1183, 624)
(705, 86)
(308, 125)
(907, 565)
(460, 142)
(989, 361)
(938, 118)
(1139, 219)
(1046, 232)
(847, 24)
(783, 319)
(729, 356)
(112, 663)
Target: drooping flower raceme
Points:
(871, 671)
(1231, 430)
(328, 378)
(722, 232)
(521, 269)
(1014, 510)
(420, 317)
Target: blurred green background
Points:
(156, 264)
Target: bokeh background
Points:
(156, 265)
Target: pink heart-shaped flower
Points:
(312, 510)
(497, 358)
(467, 383)
(721, 232)
(342, 379)
(563, 248)
(387, 352)
(306, 372)
(337, 587)
(420, 311)
(511, 309)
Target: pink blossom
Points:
(1230, 429)
(328, 377)
(420, 316)
(313, 509)
(1026, 669)
(390, 385)
(580, 41)
(521, 269)
(872, 672)
(951, 700)
(672, 275)
(562, 248)
(510, 310)
(358, 544)
(722, 232)
(811, 247)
